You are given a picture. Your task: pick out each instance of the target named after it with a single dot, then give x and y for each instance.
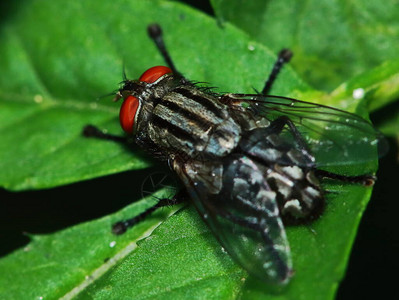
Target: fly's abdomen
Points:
(288, 171)
(193, 123)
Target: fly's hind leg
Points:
(278, 125)
(366, 179)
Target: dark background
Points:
(372, 266)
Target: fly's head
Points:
(139, 96)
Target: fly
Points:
(251, 163)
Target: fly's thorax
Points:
(188, 122)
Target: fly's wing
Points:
(240, 208)
(334, 137)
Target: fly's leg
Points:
(91, 131)
(155, 33)
(283, 57)
(121, 227)
(278, 125)
(118, 228)
(366, 180)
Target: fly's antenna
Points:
(124, 72)
(106, 95)
(155, 33)
(283, 57)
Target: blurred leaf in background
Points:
(332, 40)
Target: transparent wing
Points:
(241, 209)
(333, 136)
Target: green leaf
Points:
(380, 85)
(56, 58)
(181, 260)
(332, 40)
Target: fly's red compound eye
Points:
(127, 114)
(154, 73)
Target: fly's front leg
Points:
(284, 57)
(91, 131)
(155, 33)
(121, 226)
